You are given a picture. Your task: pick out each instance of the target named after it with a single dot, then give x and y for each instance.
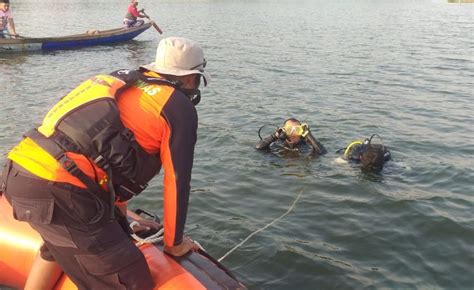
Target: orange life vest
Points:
(84, 131)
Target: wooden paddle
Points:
(152, 22)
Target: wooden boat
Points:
(19, 245)
(93, 37)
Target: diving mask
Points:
(296, 130)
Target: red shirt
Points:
(132, 9)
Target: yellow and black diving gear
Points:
(371, 156)
(289, 136)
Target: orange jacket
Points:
(164, 122)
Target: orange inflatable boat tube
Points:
(19, 245)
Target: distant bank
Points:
(461, 1)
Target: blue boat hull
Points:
(74, 41)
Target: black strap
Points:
(131, 76)
(59, 154)
(55, 150)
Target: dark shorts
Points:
(95, 255)
(133, 23)
(3, 33)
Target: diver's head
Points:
(294, 131)
(372, 158)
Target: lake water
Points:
(402, 69)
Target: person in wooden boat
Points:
(7, 25)
(294, 137)
(369, 156)
(100, 145)
(131, 18)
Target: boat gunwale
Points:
(76, 37)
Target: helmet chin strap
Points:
(193, 94)
(196, 98)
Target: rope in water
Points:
(263, 228)
(158, 236)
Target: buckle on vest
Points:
(68, 164)
(128, 134)
(101, 162)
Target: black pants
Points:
(95, 255)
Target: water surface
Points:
(402, 69)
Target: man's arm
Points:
(265, 142)
(177, 153)
(141, 13)
(12, 27)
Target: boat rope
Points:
(263, 228)
(154, 238)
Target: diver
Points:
(370, 156)
(293, 136)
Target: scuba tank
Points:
(355, 149)
(370, 156)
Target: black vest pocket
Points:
(33, 210)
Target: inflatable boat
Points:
(19, 245)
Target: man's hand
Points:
(146, 225)
(186, 245)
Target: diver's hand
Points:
(146, 225)
(263, 144)
(179, 250)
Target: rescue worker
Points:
(98, 146)
(293, 136)
(370, 156)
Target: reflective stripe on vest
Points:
(101, 86)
